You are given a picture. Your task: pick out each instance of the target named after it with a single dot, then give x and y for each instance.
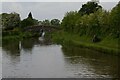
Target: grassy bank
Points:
(107, 45)
(19, 36)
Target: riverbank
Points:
(19, 36)
(107, 45)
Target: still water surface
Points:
(38, 58)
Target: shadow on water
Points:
(103, 64)
(13, 48)
(27, 44)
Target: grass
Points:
(20, 36)
(107, 45)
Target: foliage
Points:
(108, 45)
(115, 20)
(89, 7)
(10, 21)
(69, 20)
(30, 15)
(39, 22)
(96, 21)
(55, 22)
(29, 21)
(46, 22)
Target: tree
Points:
(30, 15)
(115, 20)
(68, 22)
(40, 23)
(55, 22)
(103, 21)
(46, 22)
(29, 21)
(10, 21)
(89, 7)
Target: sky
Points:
(56, 0)
(47, 10)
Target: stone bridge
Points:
(38, 28)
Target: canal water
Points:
(39, 58)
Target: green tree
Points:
(68, 22)
(30, 15)
(55, 22)
(89, 7)
(46, 22)
(40, 22)
(115, 20)
(103, 19)
(10, 21)
(29, 21)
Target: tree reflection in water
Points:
(103, 64)
(14, 48)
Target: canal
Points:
(39, 58)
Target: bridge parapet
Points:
(38, 28)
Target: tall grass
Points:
(107, 45)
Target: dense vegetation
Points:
(91, 20)
(10, 21)
(13, 27)
(29, 21)
(89, 25)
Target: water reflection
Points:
(27, 44)
(12, 51)
(39, 58)
(95, 63)
(36, 60)
(12, 47)
(15, 48)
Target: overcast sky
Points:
(47, 10)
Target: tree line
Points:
(92, 20)
(12, 21)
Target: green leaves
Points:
(46, 22)
(89, 7)
(115, 20)
(55, 22)
(29, 21)
(93, 21)
(69, 21)
(10, 21)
